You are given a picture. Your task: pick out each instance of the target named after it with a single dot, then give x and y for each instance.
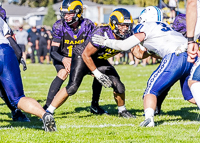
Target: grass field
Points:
(178, 122)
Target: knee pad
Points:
(71, 89)
(118, 86)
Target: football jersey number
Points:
(165, 27)
(70, 50)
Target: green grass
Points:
(178, 122)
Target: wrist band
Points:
(190, 39)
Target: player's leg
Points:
(56, 83)
(12, 83)
(17, 114)
(194, 81)
(119, 89)
(78, 71)
(171, 68)
(96, 89)
(187, 94)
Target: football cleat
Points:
(17, 115)
(126, 114)
(97, 110)
(49, 123)
(149, 122)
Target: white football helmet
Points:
(151, 14)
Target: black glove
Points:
(23, 63)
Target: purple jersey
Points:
(179, 24)
(70, 38)
(103, 52)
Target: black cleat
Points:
(17, 115)
(126, 114)
(97, 110)
(49, 123)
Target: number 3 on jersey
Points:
(165, 26)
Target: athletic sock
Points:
(96, 89)
(121, 108)
(149, 113)
(51, 109)
(54, 88)
(195, 89)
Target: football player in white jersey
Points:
(11, 81)
(160, 40)
(193, 32)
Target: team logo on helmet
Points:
(121, 16)
(72, 6)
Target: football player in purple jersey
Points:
(68, 32)
(90, 58)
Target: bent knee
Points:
(62, 74)
(119, 88)
(71, 89)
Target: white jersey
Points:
(160, 38)
(4, 29)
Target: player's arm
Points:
(191, 19)
(87, 58)
(37, 44)
(122, 45)
(140, 52)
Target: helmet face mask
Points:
(151, 14)
(71, 7)
(121, 22)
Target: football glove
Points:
(102, 78)
(23, 63)
(100, 40)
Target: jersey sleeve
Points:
(90, 27)
(97, 31)
(6, 29)
(143, 28)
(57, 31)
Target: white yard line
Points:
(107, 125)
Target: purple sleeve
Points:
(89, 28)
(100, 31)
(57, 31)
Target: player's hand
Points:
(100, 40)
(193, 52)
(22, 61)
(67, 63)
(102, 78)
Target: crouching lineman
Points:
(17, 115)
(92, 58)
(11, 81)
(160, 40)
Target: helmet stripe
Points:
(119, 16)
(74, 4)
(159, 13)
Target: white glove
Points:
(182, 48)
(100, 40)
(102, 78)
